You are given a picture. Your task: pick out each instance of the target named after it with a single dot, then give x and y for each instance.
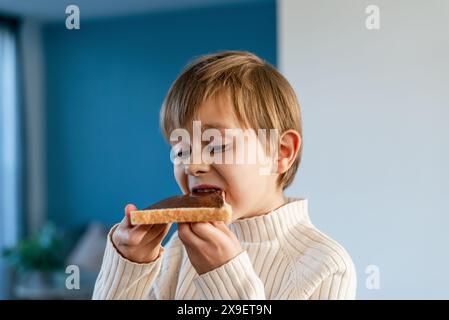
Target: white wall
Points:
(376, 134)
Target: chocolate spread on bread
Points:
(208, 200)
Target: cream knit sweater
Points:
(284, 257)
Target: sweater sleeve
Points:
(234, 280)
(340, 285)
(120, 278)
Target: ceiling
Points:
(55, 9)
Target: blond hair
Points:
(262, 98)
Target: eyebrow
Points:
(214, 126)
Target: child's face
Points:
(246, 189)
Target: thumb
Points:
(127, 220)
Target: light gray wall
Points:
(376, 136)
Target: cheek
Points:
(181, 178)
(242, 183)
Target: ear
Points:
(289, 145)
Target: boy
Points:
(271, 250)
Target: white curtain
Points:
(10, 174)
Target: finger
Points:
(207, 231)
(187, 236)
(125, 236)
(143, 228)
(162, 234)
(127, 219)
(157, 230)
(133, 236)
(139, 232)
(223, 227)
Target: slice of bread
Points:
(187, 208)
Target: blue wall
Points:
(105, 84)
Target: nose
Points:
(196, 166)
(196, 169)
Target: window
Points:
(10, 173)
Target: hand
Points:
(209, 244)
(141, 243)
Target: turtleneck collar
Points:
(274, 224)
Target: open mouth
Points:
(205, 189)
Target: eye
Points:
(184, 153)
(219, 148)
